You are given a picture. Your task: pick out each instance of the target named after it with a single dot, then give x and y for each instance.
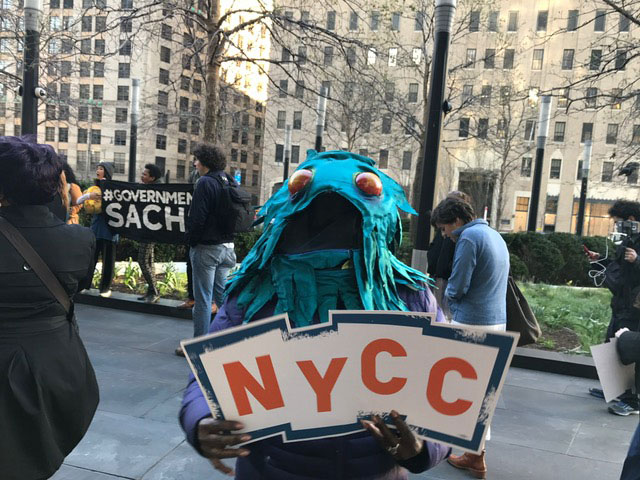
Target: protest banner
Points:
(614, 377)
(147, 212)
(319, 381)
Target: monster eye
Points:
(369, 183)
(299, 180)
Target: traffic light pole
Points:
(30, 90)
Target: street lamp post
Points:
(30, 90)
(287, 152)
(586, 161)
(321, 111)
(444, 13)
(133, 140)
(541, 140)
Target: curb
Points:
(527, 358)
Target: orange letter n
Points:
(241, 381)
(436, 380)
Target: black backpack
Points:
(235, 212)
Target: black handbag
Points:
(520, 317)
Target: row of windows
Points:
(542, 21)
(383, 156)
(101, 4)
(244, 155)
(555, 170)
(373, 20)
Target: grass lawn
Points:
(569, 312)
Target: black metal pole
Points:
(321, 111)
(541, 140)
(30, 90)
(583, 188)
(133, 136)
(287, 152)
(444, 13)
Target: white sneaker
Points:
(106, 294)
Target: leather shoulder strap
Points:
(36, 263)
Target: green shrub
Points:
(542, 258)
(519, 269)
(575, 264)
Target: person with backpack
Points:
(209, 234)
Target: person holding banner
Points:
(150, 175)
(477, 288)
(328, 243)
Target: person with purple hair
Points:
(48, 389)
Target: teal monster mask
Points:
(316, 276)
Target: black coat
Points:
(629, 350)
(623, 279)
(440, 256)
(48, 390)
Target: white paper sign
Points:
(615, 377)
(319, 381)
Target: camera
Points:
(628, 228)
(40, 92)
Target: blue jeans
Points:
(210, 264)
(631, 469)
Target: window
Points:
(509, 57)
(616, 99)
(161, 163)
(612, 134)
(375, 21)
(406, 160)
(124, 70)
(123, 92)
(96, 137)
(63, 134)
(301, 59)
(98, 69)
(125, 48)
(85, 46)
(299, 89)
(512, 24)
(82, 135)
(607, 171)
(591, 99)
(184, 83)
(182, 145)
(474, 20)
(195, 126)
(166, 32)
(463, 129)
(162, 120)
(67, 3)
(96, 114)
(493, 21)
(596, 59)
(471, 58)
(118, 163)
(389, 91)
(86, 23)
(551, 205)
(295, 157)
(101, 23)
(183, 104)
(98, 47)
(558, 132)
(395, 22)
(243, 156)
(525, 168)
(419, 23)
(165, 54)
(84, 92)
(126, 25)
(120, 137)
(161, 142)
(529, 128)
(83, 113)
(328, 56)
(285, 55)
(85, 69)
(353, 21)
(624, 24)
(489, 58)
(621, 59)
(121, 115)
(235, 135)
(383, 163)
(505, 94)
(635, 138)
(279, 152)
(163, 98)
(413, 92)
(54, 4)
(197, 86)
(244, 140)
(587, 132)
(351, 56)
(485, 96)
(371, 56)
(163, 76)
(416, 56)
(386, 124)
(556, 167)
(297, 120)
(483, 128)
(65, 90)
(393, 57)
(50, 134)
(538, 58)
(541, 24)
(281, 120)
(467, 94)
(63, 112)
(331, 20)
(572, 21)
(600, 21)
(567, 59)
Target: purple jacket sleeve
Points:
(194, 406)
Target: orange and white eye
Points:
(369, 183)
(299, 180)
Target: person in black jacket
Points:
(211, 250)
(629, 350)
(48, 390)
(622, 277)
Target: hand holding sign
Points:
(214, 438)
(402, 446)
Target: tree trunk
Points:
(214, 51)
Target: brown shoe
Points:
(179, 352)
(187, 304)
(473, 463)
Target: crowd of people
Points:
(49, 391)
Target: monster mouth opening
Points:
(329, 222)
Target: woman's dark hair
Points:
(69, 173)
(154, 170)
(451, 209)
(625, 209)
(211, 156)
(29, 172)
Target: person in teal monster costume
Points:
(329, 242)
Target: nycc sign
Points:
(319, 381)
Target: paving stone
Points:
(601, 443)
(67, 472)
(184, 463)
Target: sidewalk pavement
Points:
(546, 426)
